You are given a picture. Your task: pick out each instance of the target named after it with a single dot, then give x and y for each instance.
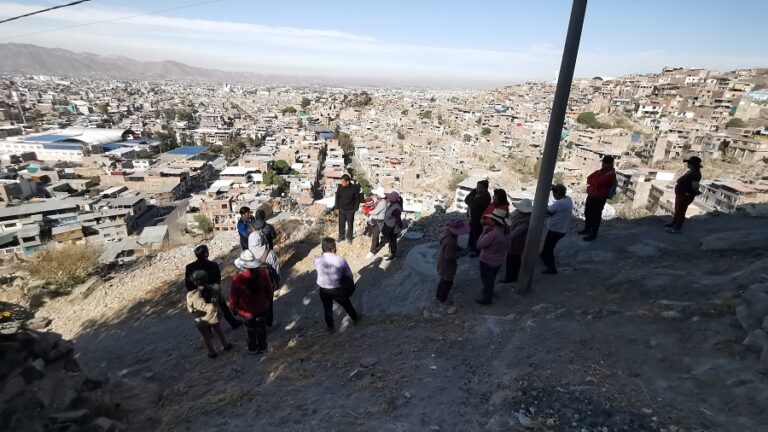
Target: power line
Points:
(44, 10)
(110, 20)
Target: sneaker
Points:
(370, 255)
(256, 352)
(590, 237)
(390, 257)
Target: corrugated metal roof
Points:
(188, 150)
(153, 234)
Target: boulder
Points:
(736, 240)
(37, 323)
(103, 424)
(753, 309)
(753, 210)
(69, 416)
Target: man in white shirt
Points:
(335, 282)
(560, 215)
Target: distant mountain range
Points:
(33, 59)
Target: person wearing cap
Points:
(686, 189)
(259, 247)
(448, 255)
(201, 303)
(346, 204)
(376, 220)
(269, 231)
(211, 269)
(600, 185)
(560, 217)
(493, 244)
(333, 274)
(477, 200)
(242, 226)
(518, 227)
(393, 223)
(250, 297)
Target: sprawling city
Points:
(120, 190)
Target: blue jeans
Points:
(488, 278)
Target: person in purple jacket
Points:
(493, 244)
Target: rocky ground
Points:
(638, 332)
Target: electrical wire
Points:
(110, 20)
(44, 10)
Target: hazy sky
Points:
(464, 43)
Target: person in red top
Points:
(600, 187)
(499, 202)
(250, 295)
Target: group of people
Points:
(497, 236)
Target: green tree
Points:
(365, 185)
(400, 135)
(736, 123)
(456, 178)
(289, 110)
(168, 141)
(300, 124)
(427, 115)
(404, 112)
(186, 139)
(274, 179)
(204, 225)
(467, 137)
(233, 149)
(486, 131)
(590, 120)
(281, 167)
(305, 102)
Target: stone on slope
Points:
(753, 309)
(736, 240)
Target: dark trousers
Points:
(328, 296)
(229, 317)
(593, 214)
(488, 278)
(375, 234)
(346, 224)
(443, 289)
(256, 332)
(681, 206)
(390, 237)
(244, 242)
(548, 251)
(475, 229)
(513, 268)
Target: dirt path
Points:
(594, 348)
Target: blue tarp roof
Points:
(327, 135)
(188, 150)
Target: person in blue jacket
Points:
(246, 218)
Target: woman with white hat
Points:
(493, 244)
(250, 297)
(518, 226)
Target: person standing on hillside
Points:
(201, 303)
(499, 200)
(213, 273)
(601, 186)
(493, 244)
(269, 231)
(335, 283)
(560, 215)
(686, 189)
(250, 297)
(246, 218)
(346, 204)
(518, 227)
(448, 255)
(258, 246)
(477, 201)
(393, 223)
(376, 221)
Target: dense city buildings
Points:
(99, 160)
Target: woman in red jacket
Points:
(499, 202)
(600, 186)
(250, 295)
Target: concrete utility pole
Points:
(551, 145)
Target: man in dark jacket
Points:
(477, 201)
(347, 203)
(269, 232)
(242, 226)
(214, 278)
(599, 186)
(686, 189)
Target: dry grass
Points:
(63, 268)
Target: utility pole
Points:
(552, 144)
